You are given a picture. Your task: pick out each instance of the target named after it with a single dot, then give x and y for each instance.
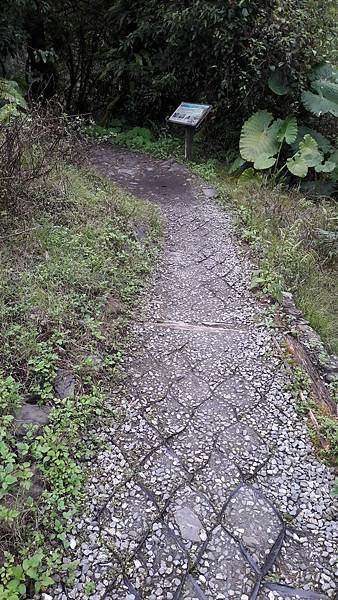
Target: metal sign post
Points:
(191, 116)
(189, 136)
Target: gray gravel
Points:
(209, 487)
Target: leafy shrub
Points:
(137, 138)
(324, 95)
(262, 140)
(219, 51)
(11, 100)
(9, 394)
(17, 574)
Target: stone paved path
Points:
(208, 487)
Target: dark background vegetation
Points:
(138, 58)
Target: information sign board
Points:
(190, 114)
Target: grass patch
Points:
(69, 277)
(286, 231)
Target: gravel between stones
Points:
(209, 487)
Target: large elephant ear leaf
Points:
(324, 95)
(327, 167)
(323, 143)
(323, 71)
(319, 105)
(259, 136)
(278, 83)
(297, 165)
(307, 156)
(309, 151)
(288, 130)
(264, 161)
(327, 89)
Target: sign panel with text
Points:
(190, 114)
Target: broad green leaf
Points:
(324, 95)
(32, 573)
(12, 586)
(309, 151)
(18, 572)
(259, 135)
(264, 161)
(318, 105)
(327, 167)
(249, 176)
(30, 564)
(277, 83)
(328, 89)
(10, 479)
(297, 165)
(323, 143)
(7, 112)
(324, 71)
(47, 581)
(235, 165)
(288, 130)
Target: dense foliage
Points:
(139, 58)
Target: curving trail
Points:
(208, 488)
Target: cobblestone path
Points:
(208, 488)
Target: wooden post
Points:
(189, 135)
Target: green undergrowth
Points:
(322, 426)
(295, 240)
(69, 277)
(163, 143)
